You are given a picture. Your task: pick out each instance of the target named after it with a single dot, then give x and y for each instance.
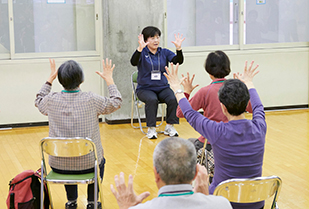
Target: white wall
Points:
(21, 80)
(283, 77)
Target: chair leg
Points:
(42, 187)
(101, 192)
(132, 112)
(139, 119)
(96, 185)
(49, 195)
(134, 103)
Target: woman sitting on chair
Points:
(153, 87)
(73, 113)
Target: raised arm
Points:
(136, 55)
(248, 75)
(53, 71)
(107, 73)
(179, 56)
(201, 180)
(188, 88)
(257, 106)
(174, 81)
(107, 105)
(200, 123)
(40, 102)
(178, 41)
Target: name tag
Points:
(155, 75)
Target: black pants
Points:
(71, 190)
(151, 100)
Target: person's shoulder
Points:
(219, 201)
(54, 94)
(87, 95)
(205, 88)
(165, 50)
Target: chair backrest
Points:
(250, 190)
(67, 147)
(134, 84)
(134, 76)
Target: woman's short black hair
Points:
(150, 31)
(70, 75)
(235, 96)
(217, 64)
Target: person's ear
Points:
(196, 171)
(212, 77)
(224, 109)
(156, 174)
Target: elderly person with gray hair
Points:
(74, 113)
(175, 168)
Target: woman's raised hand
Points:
(178, 41)
(141, 43)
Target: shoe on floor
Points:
(70, 205)
(170, 130)
(197, 144)
(91, 205)
(152, 133)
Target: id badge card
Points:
(155, 75)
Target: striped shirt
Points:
(76, 115)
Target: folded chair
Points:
(139, 104)
(250, 190)
(69, 147)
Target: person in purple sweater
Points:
(238, 145)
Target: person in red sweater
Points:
(217, 65)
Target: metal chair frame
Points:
(69, 147)
(138, 104)
(250, 190)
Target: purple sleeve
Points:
(207, 128)
(258, 114)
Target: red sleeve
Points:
(196, 102)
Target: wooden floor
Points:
(128, 150)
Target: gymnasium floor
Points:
(128, 150)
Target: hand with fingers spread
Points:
(247, 75)
(107, 73)
(172, 77)
(173, 80)
(54, 71)
(141, 43)
(178, 41)
(187, 83)
(201, 180)
(124, 195)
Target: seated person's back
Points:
(238, 145)
(174, 170)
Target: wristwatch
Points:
(179, 91)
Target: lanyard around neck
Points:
(74, 91)
(152, 66)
